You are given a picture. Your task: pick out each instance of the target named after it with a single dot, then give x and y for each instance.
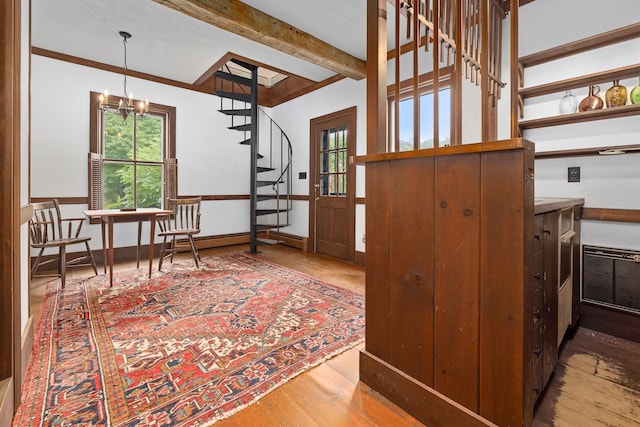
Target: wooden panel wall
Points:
(449, 248)
(457, 229)
(377, 270)
(411, 272)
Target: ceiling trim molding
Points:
(253, 24)
(115, 69)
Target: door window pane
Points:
(333, 162)
(324, 185)
(325, 140)
(342, 161)
(342, 139)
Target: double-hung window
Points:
(131, 161)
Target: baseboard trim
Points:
(27, 346)
(419, 400)
(289, 239)
(361, 258)
(222, 240)
(6, 402)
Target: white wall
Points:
(607, 181)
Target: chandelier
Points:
(126, 105)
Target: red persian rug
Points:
(185, 348)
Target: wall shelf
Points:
(590, 43)
(583, 81)
(583, 116)
(601, 40)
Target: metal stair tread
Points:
(236, 112)
(270, 226)
(262, 183)
(243, 127)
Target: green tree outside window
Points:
(133, 161)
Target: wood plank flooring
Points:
(596, 382)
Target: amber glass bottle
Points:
(616, 96)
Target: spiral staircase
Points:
(270, 151)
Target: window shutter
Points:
(170, 179)
(96, 183)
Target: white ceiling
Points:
(169, 44)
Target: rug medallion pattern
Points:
(184, 348)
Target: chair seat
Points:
(190, 231)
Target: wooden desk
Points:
(109, 216)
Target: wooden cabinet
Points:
(582, 81)
(545, 307)
(448, 295)
(554, 244)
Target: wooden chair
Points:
(184, 222)
(49, 230)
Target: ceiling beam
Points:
(249, 22)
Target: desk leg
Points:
(104, 245)
(110, 251)
(139, 240)
(152, 227)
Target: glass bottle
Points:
(568, 103)
(635, 94)
(592, 101)
(616, 95)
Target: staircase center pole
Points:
(253, 243)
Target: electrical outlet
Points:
(573, 174)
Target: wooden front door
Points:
(332, 184)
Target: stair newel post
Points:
(254, 160)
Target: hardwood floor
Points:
(596, 382)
